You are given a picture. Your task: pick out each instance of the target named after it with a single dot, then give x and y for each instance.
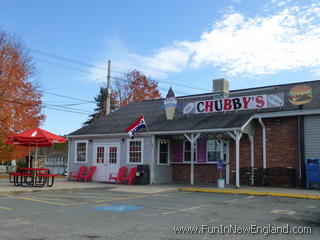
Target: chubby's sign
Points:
(235, 103)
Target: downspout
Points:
(152, 163)
(69, 153)
(264, 151)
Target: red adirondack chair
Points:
(88, 176)
(80, 172)
(131, 177)
(121, 173)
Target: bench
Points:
(46, 179)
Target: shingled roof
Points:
(155, 117)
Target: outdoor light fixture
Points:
(122, 140)
(90, 141)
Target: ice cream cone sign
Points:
(170, 104)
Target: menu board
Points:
(177, 152)
(201, 151)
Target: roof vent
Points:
(220, 85)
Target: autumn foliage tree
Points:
(133, 87)
(20, 103)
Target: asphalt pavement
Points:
(102, 213)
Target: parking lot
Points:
(105, 214)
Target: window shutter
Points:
(202, 151)
(177, 152)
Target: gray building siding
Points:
(312, 136)
(74, 166)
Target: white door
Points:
(106, 159)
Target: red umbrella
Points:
(35, 138)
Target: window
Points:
(100, 154)
(113, 155)
(81, 151)
(213, 150)
(163, 152)
(135, 150)
(187, 151)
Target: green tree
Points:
(100, 110)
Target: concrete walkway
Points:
(259, 191)
(63, 184)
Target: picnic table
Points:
(32, 177)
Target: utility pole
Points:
(108, 88)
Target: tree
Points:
(100, 110)
(20, 103)
(134, 87)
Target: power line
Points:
(65, 59)
(128, 81)
(93, 66)
(72, 68)
(48, 106)
(62, 96)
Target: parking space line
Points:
(55, 199)
(97, 194)
(80, 196)
(6, 208)
(186, 209)
(192, 208)
(44, 201)
(229, 201)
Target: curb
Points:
(250, 192)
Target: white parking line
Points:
(185, 209)
(250, 197)
(229, 201)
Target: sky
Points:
(175, 42)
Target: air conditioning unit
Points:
(220, 85)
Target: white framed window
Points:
(187, 151)
(81, 151)
(213, 150)
(113, 151)
(135, 151)
(163, 152)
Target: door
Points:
(106, 159)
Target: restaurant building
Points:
(263, 135)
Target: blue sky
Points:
(251, 43)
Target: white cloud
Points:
(287, 39)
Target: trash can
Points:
(312, 172)
(143, 175)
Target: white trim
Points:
(75, 152)
(287, 113)
(228, 162)
(221, 150)
(128, 151)
(154, 133)
(246, 123)
(153, 160)
(69, 158)
(158, 157)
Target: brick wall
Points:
(282, 151)
(203, 173)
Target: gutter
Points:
(264, 151)
(155, 133)
(287, 113)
